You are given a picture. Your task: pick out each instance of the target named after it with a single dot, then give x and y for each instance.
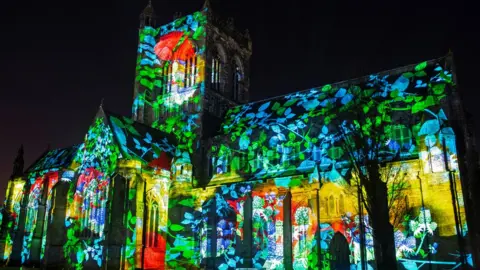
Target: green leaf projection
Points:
(170, 77)
(281, 184)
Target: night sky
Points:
(59, 59)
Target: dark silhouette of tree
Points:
(374, 152)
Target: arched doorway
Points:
(340, 252)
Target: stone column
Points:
(287, 231)
(19, 233)
(15, 187)
(36, 244)
(247, 230)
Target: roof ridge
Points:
(349, 81)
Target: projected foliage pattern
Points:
(267, 219)
(304, 226)
(292, 143)
(292, 133)
(10, 214)
(170, 69)
(86, 214)
(36, 198)
(299, 133)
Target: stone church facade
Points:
(200, 178)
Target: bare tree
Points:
(366, 137)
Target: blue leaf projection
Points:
(401, 84)
(430, 127)
(264, 106)
(281, 172)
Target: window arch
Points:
(237, 79)
(91, 202)
(341, 204)
(152, 224)
(331, 206)
(190, 71)
(217, 67)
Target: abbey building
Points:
(371, 173)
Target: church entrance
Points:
(340, 252)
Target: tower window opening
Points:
(331, 206)
(167, 78)
(190, 72)
(237, 81)
(216, 71)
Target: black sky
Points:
(58, 59)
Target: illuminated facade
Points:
(198, 178)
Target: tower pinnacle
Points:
(18, 164)
(206, 5)
(147, 17)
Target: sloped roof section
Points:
(409, 80)
(139, 141)
(54, 159)
(294, 132)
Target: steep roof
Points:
(140, 141)
(53, 160)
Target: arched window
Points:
(402, 136)
(93, 209)
(190, 71)
(341, 204)
(167, 77)
(34, 198)
(91, 201)
(152, 224)
(237, 83)
(331, 206)
(216, 73)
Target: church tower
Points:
(189, 72)
(162, 64)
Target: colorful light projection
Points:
(298, 134)
(277, 136)
(267, 216)
(225, 207)
(10, 214)
(52, 181)
(34, 198)
(86, 213)
(156, 224)
(171, 74)
(304, 226)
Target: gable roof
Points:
(140, 141)
(53, 160)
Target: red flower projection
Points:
(174, 46)
(339, 226)
(155, 256)
(162, 162)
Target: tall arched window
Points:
(34, 198)
(237, 80)
(91, 202)
(152, 225)
(190, 71)
(331, 206)
(167, 77)
(341, 204)
(216, 73)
